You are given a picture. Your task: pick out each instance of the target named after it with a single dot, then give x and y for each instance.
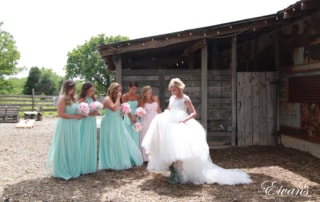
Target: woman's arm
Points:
(124, 98)
(61, 110)
(114, 106)
(139, 100)
(192, 110)
(159, 110)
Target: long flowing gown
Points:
(117, 149)
(128, 123)
(88, 142)
(65, 147)
(151, 109)
(168, 140)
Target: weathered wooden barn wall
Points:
(219, 94)
(257, 90)
(256, 108)
(299, 114)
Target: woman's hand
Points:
(133, 119)
(119, 95)
(182, 121)
(79, 116)
(94, 113)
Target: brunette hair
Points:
(84, 90)
(133, 83)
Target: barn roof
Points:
(183, 43)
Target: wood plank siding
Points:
(219, 95)
(239, 75)
(255, 108)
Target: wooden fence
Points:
(47, 103)
(30, 102)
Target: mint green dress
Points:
(128, 123)
(88, 142)
(65, 147)
(117, 150)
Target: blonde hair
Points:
(66, 88)
(177, 83)
(145, 89)
(112, 91)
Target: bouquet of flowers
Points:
(125, 108)
(137, 127)
(96, 106)
(83, 108)
(140, 112)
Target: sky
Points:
(46, 30)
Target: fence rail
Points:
(47, 103)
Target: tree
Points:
(16, 84)
(9, 55)
(44, 81)
(33, 82)
(47, 85)
(49, 82)
(85, 63)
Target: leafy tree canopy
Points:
(50, 82)
(85, 63)
(32, 81)
(14, 86)
(9, 55)
(43, 81)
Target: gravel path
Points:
(23, 154)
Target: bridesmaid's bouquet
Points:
(137, 127)
(125, 108)
(96, 106)
(83, 108)
(140, 112)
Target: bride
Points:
(176, 141)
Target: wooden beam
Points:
(118, 63)
(194, 47)
(234, 88)
(191, 61)
(309, 5)
(204, 86)
(161, 41)
(277, 94)
(143, 45)
(144, 63)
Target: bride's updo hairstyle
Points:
(177, 83)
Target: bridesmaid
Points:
(88, 132)
(133, 99)
(152, 105)
(117, 149)
(65, 146)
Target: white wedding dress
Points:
(168, 141)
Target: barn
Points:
(253, 81)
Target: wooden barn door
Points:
(256, 108)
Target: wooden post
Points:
(234, 88)
(162, 88)
(32, 96)
(276, 86)
(191, 61)
(118, 63)
(204, 85)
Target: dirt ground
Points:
(278, 174)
